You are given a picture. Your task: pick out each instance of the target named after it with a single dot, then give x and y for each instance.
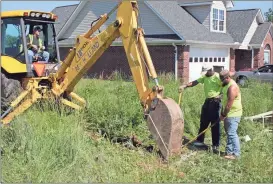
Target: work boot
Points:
(216, 150)
(197, 143)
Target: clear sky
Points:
(50, 5)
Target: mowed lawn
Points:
(51, 145)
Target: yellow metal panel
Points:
(125, 14)
(20, 13)
(12, 65)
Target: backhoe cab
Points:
(164, 116)
(15, 28)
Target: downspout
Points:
(252, 57)
(175, 62)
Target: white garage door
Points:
(215, 57)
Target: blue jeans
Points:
(44, 55)
(233, 142)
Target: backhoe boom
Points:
(164, 116)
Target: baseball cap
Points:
(206, 68)
(37, 28)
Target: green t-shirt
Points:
(212, 85)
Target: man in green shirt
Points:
(211, 108)
(231, 114)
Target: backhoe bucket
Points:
(166, 123)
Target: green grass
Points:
(44, 145)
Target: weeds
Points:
(48, 144)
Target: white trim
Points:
(195, 4)
(119, 43)
(268, 51)
(229, 4)
(261, 15)
(234, 45)
(72, 18)
(178, 42)
(175, 62)
(256, 45)
(248, 32)
(218, 26)
(166, 22)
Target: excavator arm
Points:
(164, 116)
(89, 49)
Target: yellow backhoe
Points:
(25, 82)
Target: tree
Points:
(269, 15)
(11, 41)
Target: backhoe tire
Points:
(10, 90)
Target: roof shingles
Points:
(185, 25)
(260, 33)
(63, 13)
(239, 22)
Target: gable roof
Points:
(239, 22)
(261, 33)
(63, 12)
(187, 26)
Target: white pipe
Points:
(175, 62)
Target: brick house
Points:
(255, 37)
(206, 32)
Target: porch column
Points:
(183, 63)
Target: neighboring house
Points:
(181, 36)
(254, 35)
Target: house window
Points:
(201, 59)
(215, 59)
(191, 59)
(218, 20)
(221, 20)
(223, 59)
(206, 59)
(210, 59)
(215, 19)
(196, 59)
(219, 59)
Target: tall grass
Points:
(45, 145)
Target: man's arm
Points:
(191, 84)
(232, 93)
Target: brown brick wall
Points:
(259, 53)
(269, 41)
(243, 59)
(183, 63)
(258, 58)
(232, 61)
(114, 59)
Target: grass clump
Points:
(45, 145)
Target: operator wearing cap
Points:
(35, 45)
(211, 107)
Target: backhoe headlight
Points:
(44, 15)
(38, 14)
(48, 16)
(32, 14)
